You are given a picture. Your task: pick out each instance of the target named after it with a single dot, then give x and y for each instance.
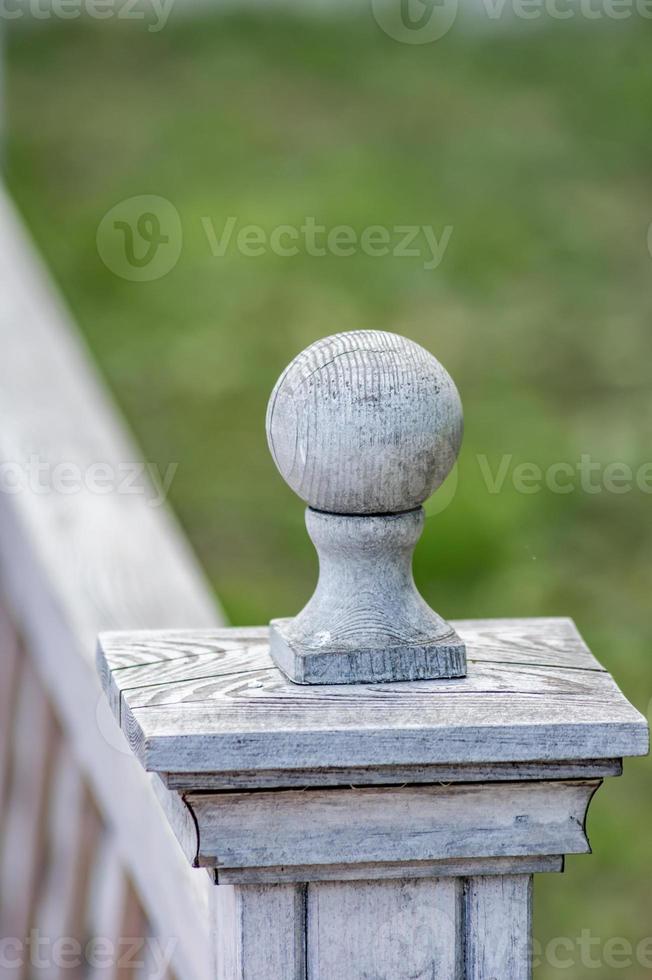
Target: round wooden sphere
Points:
(365, 422)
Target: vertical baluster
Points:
(134, 929)
(9, 664)
(53, 908)
(106, 909)
(23, 845)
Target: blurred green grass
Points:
(537, 148)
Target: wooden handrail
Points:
(72, 564)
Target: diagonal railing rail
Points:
(74, 560)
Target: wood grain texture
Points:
(225, 679)
(550, 641)
(398, 930)
(377, 871)
(366, 622)
(391, 824)
(261, 931)
(364, 426)
(192, 737)
(182, 656)
(53, 406)
(437, 929)
(180, 817)
(498, 930)
(533, 694)
(365, 422)
(392, 775)
(74, 564)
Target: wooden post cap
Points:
(364, 426)
(365, 422)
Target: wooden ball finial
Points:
(365, 422)
(364, 426)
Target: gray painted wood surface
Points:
(533, 694)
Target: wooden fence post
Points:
(372, 831)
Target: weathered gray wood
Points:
(443, 868)
(74, 564)
(128, 649)
(533, 694)
(135, 927)
(366, 422)
(182, 657)
(552, 641)
(67, 837)
(390, 824)
(366, 622)
(211, 703)
(180, 738)
(535, 705)
(226, 678)
(364, 426)
(393, 775)
(498, 917)
(10, 656)
(24, 833)
(106, 906)
(261, 930)
(398, 930)
(180, 817)
(435, 928)
(53, 407)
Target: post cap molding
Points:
(489, 774)
(202, 701)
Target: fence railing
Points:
(85, 848)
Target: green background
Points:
(536, 146)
